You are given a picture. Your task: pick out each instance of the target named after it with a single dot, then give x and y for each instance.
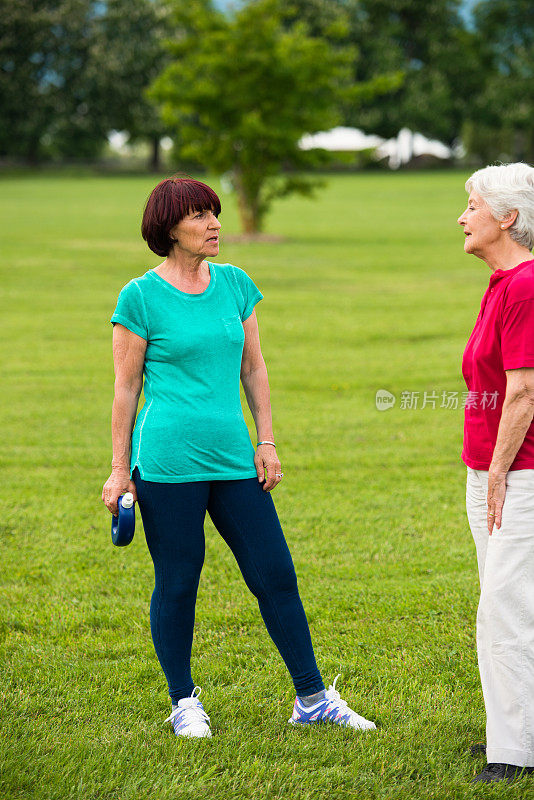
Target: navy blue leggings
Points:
(173, 517)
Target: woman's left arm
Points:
(256, 385)
(516, 417)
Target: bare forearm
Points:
(256, 386)
(516, 417)
(122, 421)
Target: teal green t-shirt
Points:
(191, 426)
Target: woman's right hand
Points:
(118, 483)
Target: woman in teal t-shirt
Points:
(187, 333)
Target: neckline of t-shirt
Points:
(188, 295)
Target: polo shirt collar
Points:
(507, 273)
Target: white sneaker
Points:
(189, 717)
(331, 709)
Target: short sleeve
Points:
(517, 335)
(130, 310)
(248, 291)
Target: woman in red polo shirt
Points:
(498, 368)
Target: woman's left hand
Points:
(496, 495)
(268, 466)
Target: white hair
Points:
(506, 188)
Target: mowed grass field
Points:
(369, 289)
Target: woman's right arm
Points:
(128, 358)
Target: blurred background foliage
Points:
(232, 88)
(241, 91)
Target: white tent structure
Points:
(399, 150)
(408, 145)
(346, 140)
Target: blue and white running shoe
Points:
(189, 717)
(332, 709)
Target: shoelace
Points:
(191, 709)
(335, 702)
(334, 698)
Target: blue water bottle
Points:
(123, 526)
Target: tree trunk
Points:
(249, 220)
(32, 152)
(248, 205)
(155, 159)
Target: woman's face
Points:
(481, 229)
(197, 233)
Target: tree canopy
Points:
(72, 70)
(242, 90)
(501, 120)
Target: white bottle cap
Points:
(127, 500)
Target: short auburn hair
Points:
(170, 202)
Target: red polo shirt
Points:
(503, 338)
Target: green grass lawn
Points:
(368, 290)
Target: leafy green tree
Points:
(241, 91)
(44, 95)
(77, 127)
(28, 80)
(126, 55)
(333, 21)
(500, 124)
(72, 70)
(324, 19)
(428, 43)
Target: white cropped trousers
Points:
(505, 618)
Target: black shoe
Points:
(478, 749)
(501, 772)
